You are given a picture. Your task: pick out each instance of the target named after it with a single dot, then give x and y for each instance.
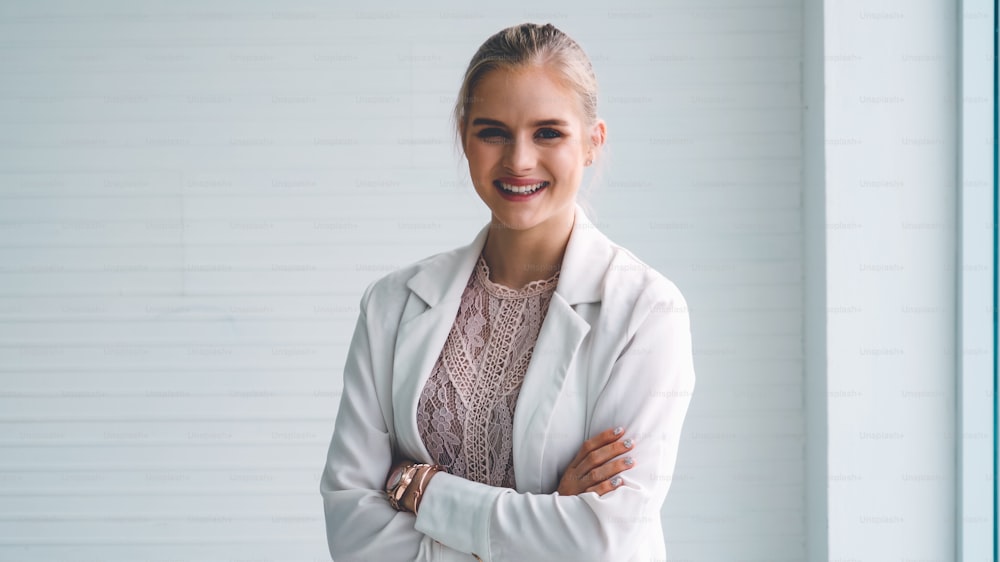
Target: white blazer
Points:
(614, 349)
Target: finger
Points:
(613, 472)
(598, 458)
(610, 469)
(574, 483)
(596, 442)
(605, 486)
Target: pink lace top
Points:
(466, 409)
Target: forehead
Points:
(524, 94)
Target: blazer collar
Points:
(588, 253)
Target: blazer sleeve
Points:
(648, 393)
(360, 523)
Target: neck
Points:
(518, 257)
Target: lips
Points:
(519, 181)
(520, 187)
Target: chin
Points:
(523, 220)
(515, 222)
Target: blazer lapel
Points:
(436, 293)
(559, 338)
(588, 254)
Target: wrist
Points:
(406, 483)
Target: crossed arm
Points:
(647, 393)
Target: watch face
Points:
(394, 478)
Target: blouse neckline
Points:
(536, 287)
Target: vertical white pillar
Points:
(891, 207)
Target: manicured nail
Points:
(616, 481)
(629, 461)
(619, 430)
(627, 443)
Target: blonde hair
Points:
(529, 44)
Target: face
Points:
(527, 145)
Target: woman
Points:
(521, 397)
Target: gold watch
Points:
(395, 486)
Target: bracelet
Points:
(428, 471)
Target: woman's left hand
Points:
(597, 465)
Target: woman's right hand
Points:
(596, 467)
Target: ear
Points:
(598, 136)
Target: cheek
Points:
(481, 166)
(567, 159)
(478, 156)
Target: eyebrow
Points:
(541, 123)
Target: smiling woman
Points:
(499, 397)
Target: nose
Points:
(519, 155)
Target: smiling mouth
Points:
(520, 189)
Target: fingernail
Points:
(619, 430)
(616, 481)
(629, 461)
(627, 443)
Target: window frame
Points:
(977, 413)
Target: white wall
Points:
(704, 106)
(192, 197)
(891, 188)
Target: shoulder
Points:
(634, 289)
(637, 278)
(390, 291)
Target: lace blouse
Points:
(465, 413)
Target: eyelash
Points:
(490, 133)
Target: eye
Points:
(549, 134)
(493, 135)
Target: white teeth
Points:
(521, 189)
